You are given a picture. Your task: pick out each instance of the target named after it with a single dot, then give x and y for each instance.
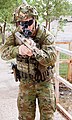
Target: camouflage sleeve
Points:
(49, 51)
(9, 50)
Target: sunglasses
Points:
(26, 23)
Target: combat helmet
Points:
(23, 11)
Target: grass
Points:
(63, 56)
(0, 39)
(63, 68)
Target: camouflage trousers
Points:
(28, 92)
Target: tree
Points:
(7, 8)
(51, 9)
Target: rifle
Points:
(22, 40)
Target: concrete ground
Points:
(8, 95)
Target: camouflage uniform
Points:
(34, 86)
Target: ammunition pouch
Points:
(26, 76)
(26, 64)
(37, 77)
(28, 68)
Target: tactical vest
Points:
(30, 66)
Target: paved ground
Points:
(9, 92)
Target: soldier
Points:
(36, 72)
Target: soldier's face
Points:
(28, 23)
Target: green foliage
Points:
(0, 39)
(63, 70)
(63, 67)
(48, 10)
(7, 8)
(52, 9)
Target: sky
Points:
(70, 0)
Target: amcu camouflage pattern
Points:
(25, 11)
(44, 40)
(30, 89)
